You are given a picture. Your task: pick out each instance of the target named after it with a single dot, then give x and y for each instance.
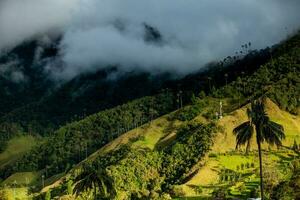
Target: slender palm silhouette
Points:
(265, 129)
(92, 178)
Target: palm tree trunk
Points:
(248, 147)
(95, 191)
(260, 171)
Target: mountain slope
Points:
(226, 141)
(208, 171)
(279, 76)
(171, 155)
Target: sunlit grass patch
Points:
(153, 132)
(23, 179)
(16, 148)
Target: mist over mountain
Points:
(139, 35)
(139, 99)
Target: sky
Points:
(101, 33)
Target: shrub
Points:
(3, 145)
(247, 165)
(219, 193)
(212, 155)
(210, 115)
(48, 195)
(187, 113)
(178, 191)
(242, 166)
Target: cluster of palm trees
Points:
(262, 129)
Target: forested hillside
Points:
(184, 138)
(174, 158)
(73, 142)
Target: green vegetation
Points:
(192, 142)
(288, 189)
(16, 148)
(23, 179)
(14, 194)
(143, 173)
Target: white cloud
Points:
(194, 32)
(11, 71)
(99, 33)
(22, 20)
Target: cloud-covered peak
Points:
(156, 36)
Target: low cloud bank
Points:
(155, 36)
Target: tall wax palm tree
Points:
(265, 129)
(92, 178)
(209, 83)
(226, 77)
